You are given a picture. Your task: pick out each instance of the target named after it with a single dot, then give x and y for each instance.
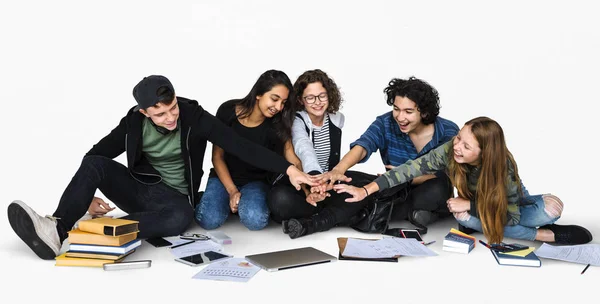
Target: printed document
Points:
(582, 254)
(233, 269)
(385, 248)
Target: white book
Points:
(457, 249)
(106, 249)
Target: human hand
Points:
(314, 198)
(298, 177)
(358, 194)
(234, 200)
(458, 204)
(99, 208)
(328, 179)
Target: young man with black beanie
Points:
(164, 138)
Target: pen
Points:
(484, 244)
(586, 267)
(182, 244)
(429, 243)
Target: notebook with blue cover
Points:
(530, 260)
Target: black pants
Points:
(160, 209)
(431, 195)
(285, 202)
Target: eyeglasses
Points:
(194, 236)
(310, 99)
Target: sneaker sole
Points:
(21, 223)
(294, 228)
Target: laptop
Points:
(286, 259)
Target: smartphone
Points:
(158, 242)
(127, 265)
(411, 234)
(202, 258)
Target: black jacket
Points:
(197, 127)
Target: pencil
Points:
(182, 244)
(586, 267)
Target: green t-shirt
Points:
(164, 154)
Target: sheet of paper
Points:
(406, 247)
(385, 248)
(234, 269)
(364, 249)
(582, 254)
(195, 248)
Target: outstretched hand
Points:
(99, 208)
(315, 197)
(358, 194)
(328, 179)
(298, 177)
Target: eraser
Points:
(219, 237)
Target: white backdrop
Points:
(68, 69)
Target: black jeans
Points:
(431, 195)
(160, 209)
(285, 202)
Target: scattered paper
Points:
(234, 270)
(582, 254)
(385, 248)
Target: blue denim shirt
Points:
(396, 147)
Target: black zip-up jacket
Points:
(197, 127)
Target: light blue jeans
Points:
(533, 215)
(213, 209)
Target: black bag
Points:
(376, 215)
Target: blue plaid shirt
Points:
(396, 147)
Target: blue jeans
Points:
(532, 216)
(213, 209)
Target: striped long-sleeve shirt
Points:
(437, 159)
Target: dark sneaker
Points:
(466, 230)
(569, 234)
(39, 233)
(423, 217)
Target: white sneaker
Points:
(39, 233)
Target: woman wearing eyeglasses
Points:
(316, 137)
(235, 186)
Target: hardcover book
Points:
(109, 226)
(97, 255)
(106, 249)
(530, 259)
(77, 236)
(63, 260)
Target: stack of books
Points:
(100, 241)
(456, 241)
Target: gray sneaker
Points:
(39, 233)
(424, 217)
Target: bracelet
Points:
(367, 191)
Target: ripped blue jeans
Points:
(532, 216)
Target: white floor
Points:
(449, 277)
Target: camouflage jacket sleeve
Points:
(429, 163)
